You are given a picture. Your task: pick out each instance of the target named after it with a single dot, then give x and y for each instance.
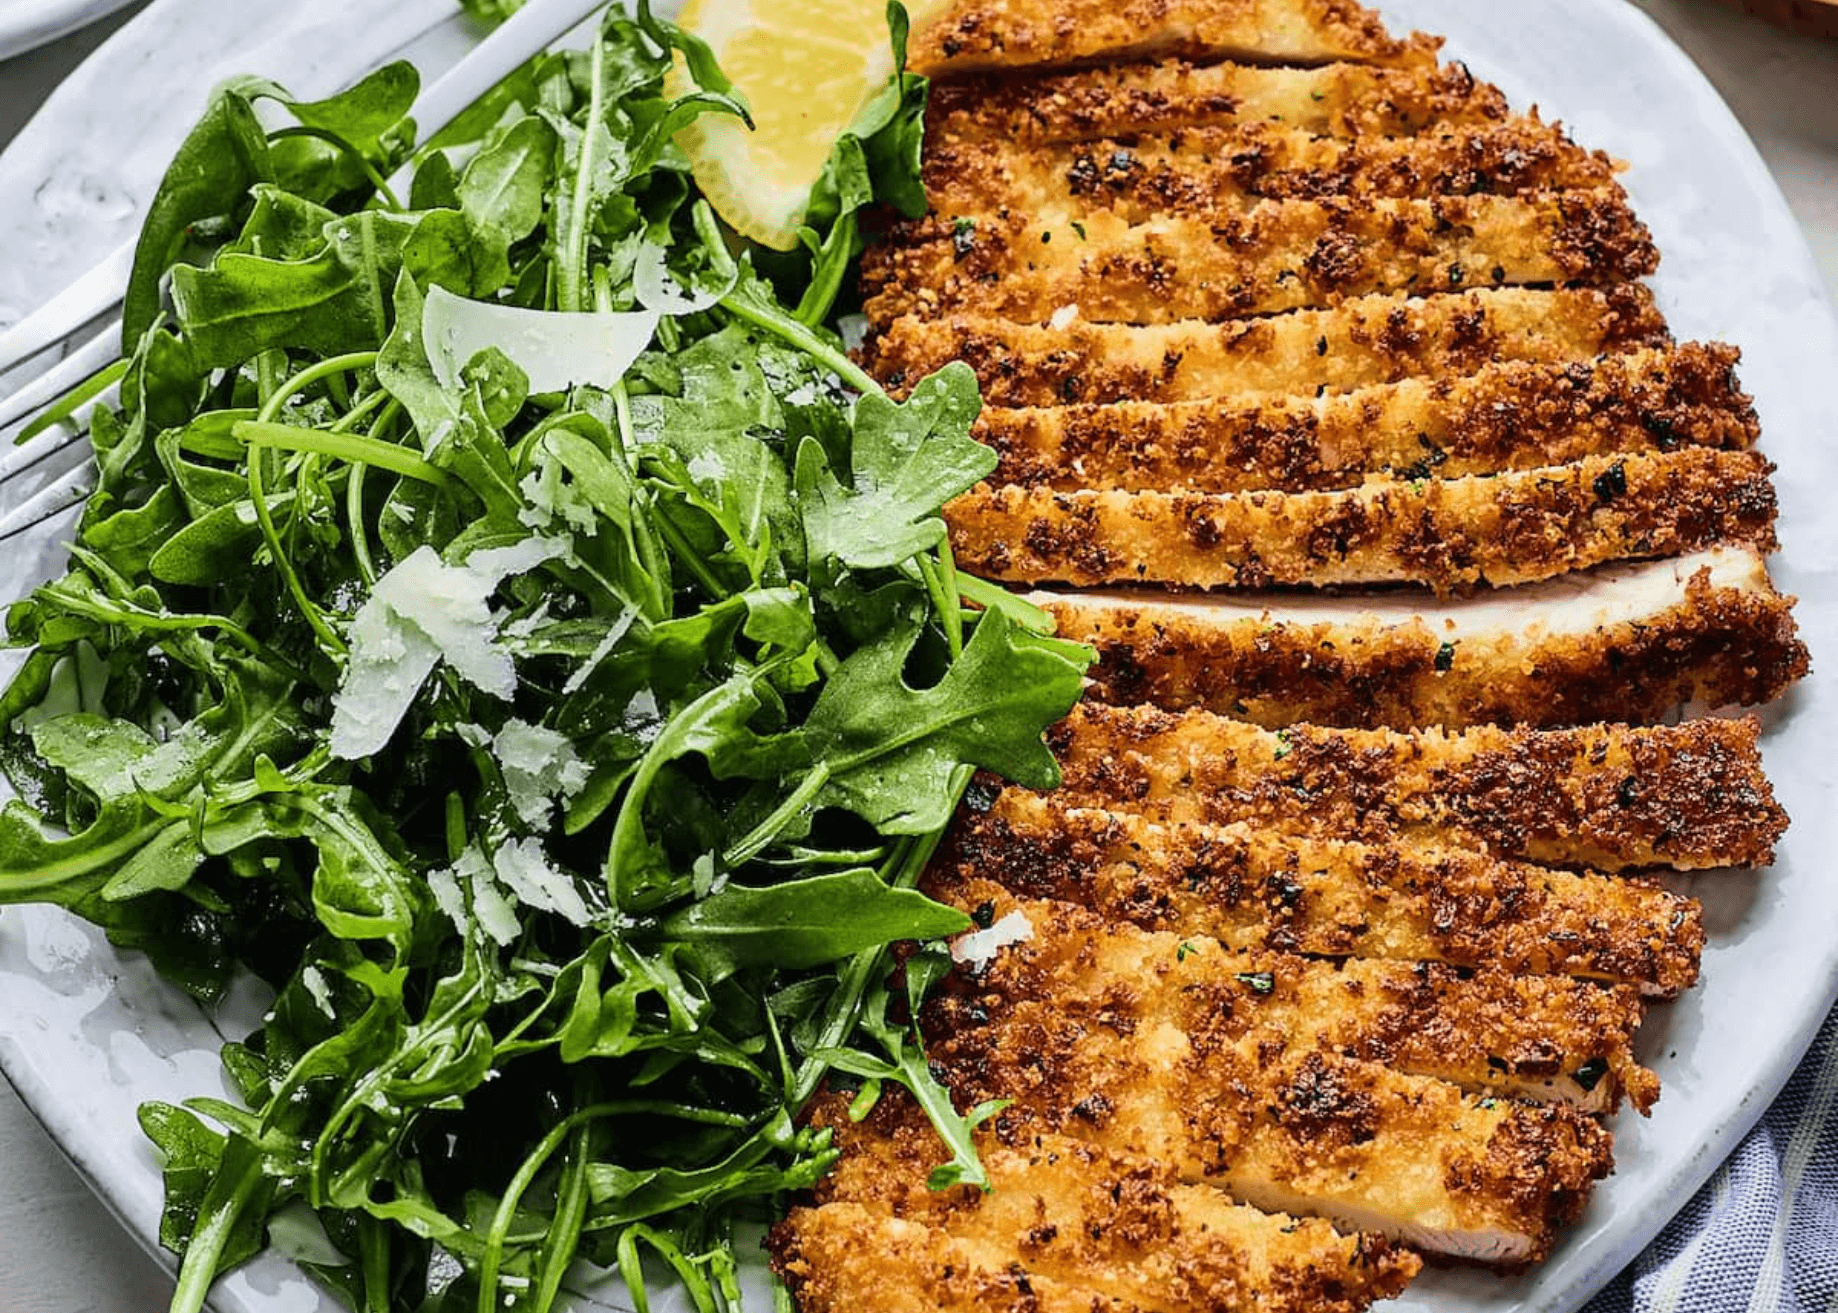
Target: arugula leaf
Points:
(806, 923)
(223, 156)
(892, 748)
(909, 458)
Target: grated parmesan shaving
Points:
(526, 871)
(538, 765)
(976, 949)
(423, 612)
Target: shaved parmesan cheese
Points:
(614, 633)
(469, 895)
(659, 289)
(554, 350)
(976, 949)
(526, 871)
(490, 908)
(538, 765)
(313, 979)
(549, 497)
(422, 612)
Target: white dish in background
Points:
(87, 1034)
(28, 24)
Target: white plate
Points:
(27, 24)
(87, 1034)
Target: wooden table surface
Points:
(61, 1251)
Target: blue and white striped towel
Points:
(1762, 1235)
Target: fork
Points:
(45, 445)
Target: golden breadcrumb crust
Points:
(1276, 256)
(1512, 416)
(1490, 1031)
(1452, 534)
(1360, 343)
(977, 35)
(1290, 1129)
(1124, 100)
(1260, 889)
(1713, 644)
(1690, 796)
(1202, 172)
(1123, 1226)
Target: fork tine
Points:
(51, 501)
(96, 354)
(95, 293)
(44, 447)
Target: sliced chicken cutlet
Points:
(846, 1258)
(1120, 1226)
(1255, 889)
(1028, 111)
(1452, 534)
(1277, 256)
(1357, 344)
(1490, 1031)
(1690, 796)
(1485, 1178)
(1512, 416)
(1204, 172)
(977, 35)
(1629, 643)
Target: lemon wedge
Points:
(807, 67)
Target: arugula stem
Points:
(352, 447)
(493, 1253)
(949, 610)
(373, 1255)
(782, 815)
(354, 515)
(129, 612)
(790, 330)
(224, 1205)
(571, 1200)
(363, 410)
(994, 597)
(258, 493)
(571, 270)
(773, 319)
(693, 559)
(298, 383)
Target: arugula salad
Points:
(509, 625)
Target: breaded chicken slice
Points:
(1203, 172)
(1513, 416)
(1276, 256)
(1482, 1178)
(978, 35)
(1630, 643)
(1124, 100)
(847, 1258)
(1490, 1031)
(1257, 889)
(1690, 796)
(1450, 534)
(1125, 1227)
(1360, 343)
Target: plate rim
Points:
(24, 29)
